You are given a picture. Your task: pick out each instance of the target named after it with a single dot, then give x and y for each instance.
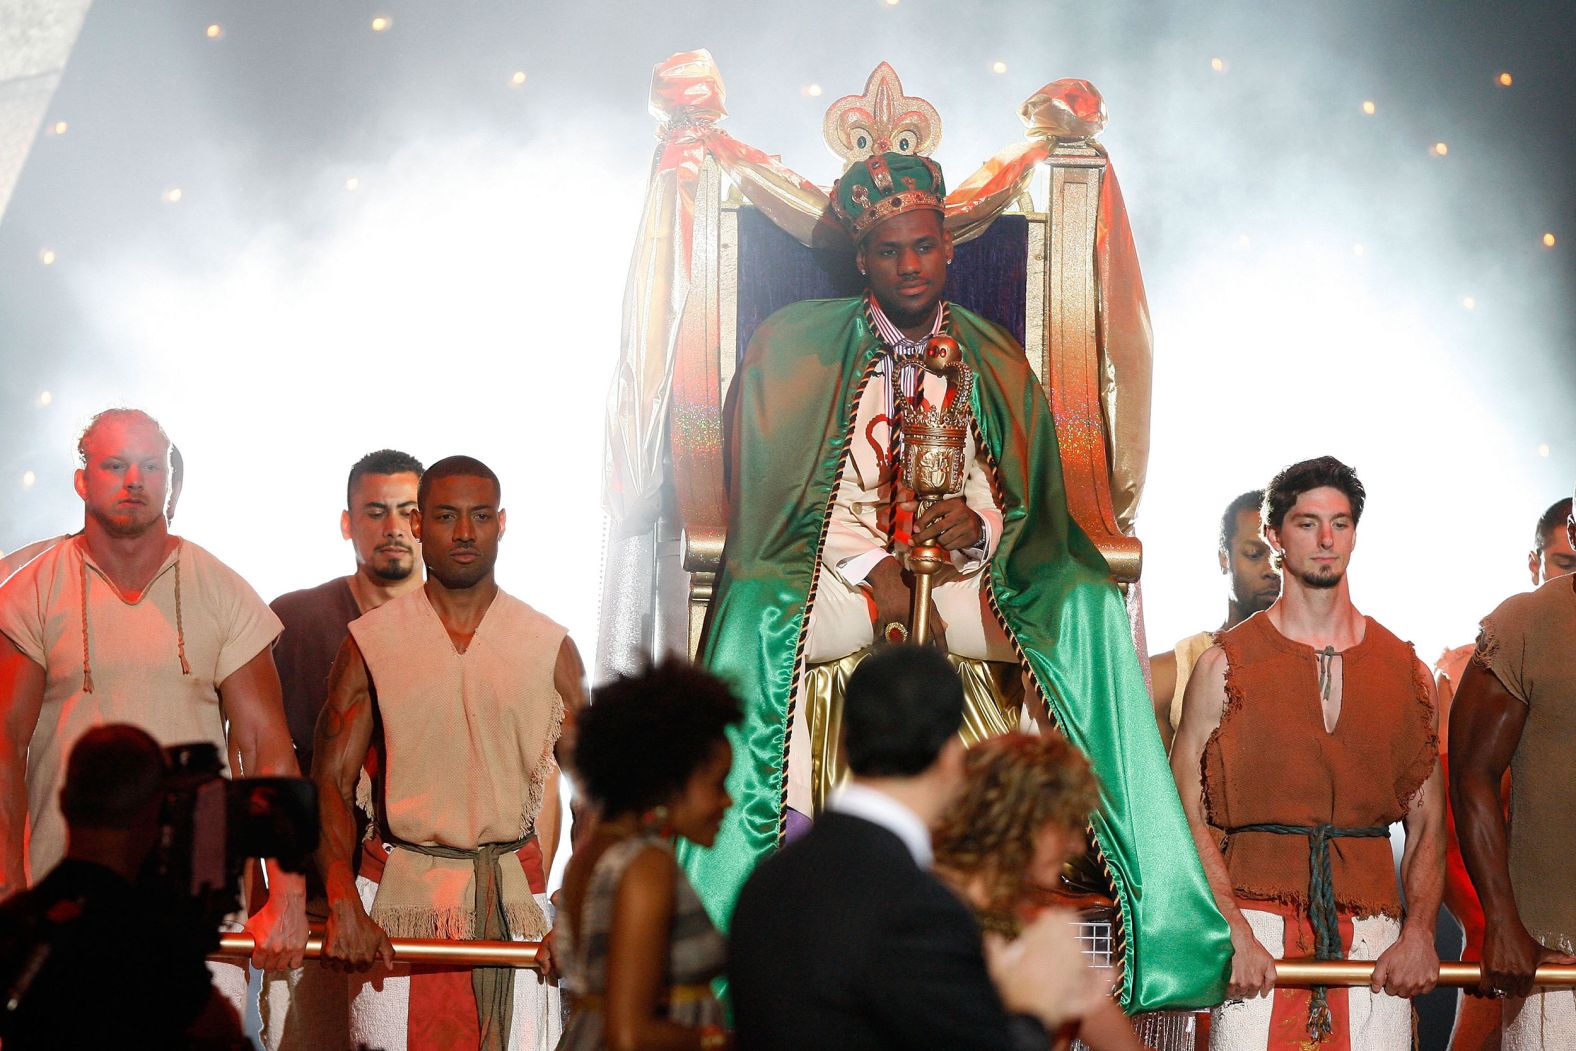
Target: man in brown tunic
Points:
(1516, 709)
(1306, 732)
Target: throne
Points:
(729, 236)
(1043, 250)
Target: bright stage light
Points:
(28, 478)
(1440, 149)
(47, 256)
(1218, 65)
(215, 31)
(352, 184)
(998, 66)
(433, 318)
(518, 79)
(381, 22)
(1369, 108)
(1505, 80)
(45, 398)
(1548, 240)
(60, 127)
(1468, 303)
(173, 195)
(1544, 450)
(812, 90)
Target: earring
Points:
(654, 822)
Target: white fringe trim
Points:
(457, 923)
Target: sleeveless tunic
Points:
(1271, 761)
(468, 744)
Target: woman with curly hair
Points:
(637, 948)
(1020, 816)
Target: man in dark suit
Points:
(844, 939)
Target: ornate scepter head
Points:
(933, 438)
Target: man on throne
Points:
(814, 573)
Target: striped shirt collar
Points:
(892, 336)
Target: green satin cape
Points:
(797, 392)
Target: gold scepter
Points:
(933, 466)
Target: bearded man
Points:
(1307, 730)
(812, 575)
(463, 687)
(1254, 582)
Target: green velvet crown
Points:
(883, 185)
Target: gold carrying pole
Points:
(1361, 972)
(933, 464)
(238, 947)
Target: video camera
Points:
(210, 825)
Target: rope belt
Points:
(493, 986)
(1322, 915)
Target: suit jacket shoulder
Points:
(840, 941)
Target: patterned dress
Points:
(696, 950)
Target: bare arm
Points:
(1203, 706)
(569, 679)
(637, 959)
(22, 688)
(1163, 686)
(1486, 721)
(549, 820)
(1410, 967)
(260, 739)
(255, 710)
(340, 743)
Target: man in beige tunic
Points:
(126, 622)
(1255, 583)
(466, 687)
(1516, 709)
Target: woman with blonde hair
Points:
(1020, 816)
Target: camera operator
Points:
(89, 915)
